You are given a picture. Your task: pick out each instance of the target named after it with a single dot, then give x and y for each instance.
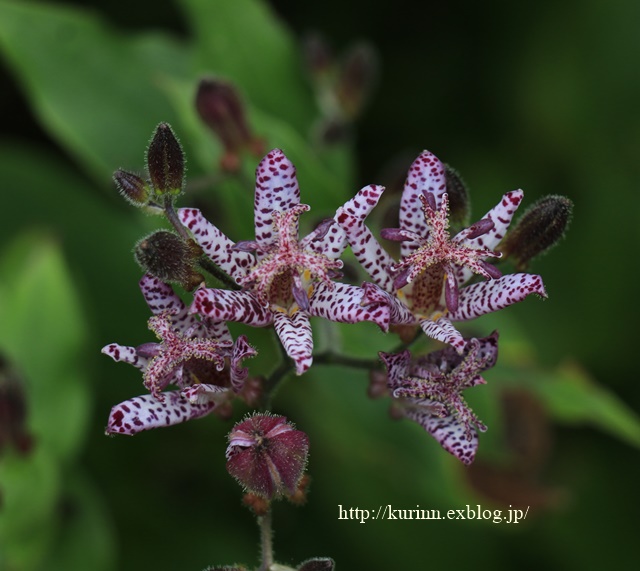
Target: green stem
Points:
(331, 358)
(266, 541)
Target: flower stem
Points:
(266, 541)
(331, 358)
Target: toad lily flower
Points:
(285, 280)
(428, 391)
(197, 356)
(426, 285)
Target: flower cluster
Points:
(279, 279)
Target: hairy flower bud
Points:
(267, 455)
(165, 161)
(356, 79)
(132, 187)
(220, 107)
(169, 258)
(540, 228)
(317, 564)
(459, 204)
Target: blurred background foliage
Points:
(536, 95)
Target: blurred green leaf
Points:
(29, 486)
(85, 539)
(571, 396)
(244, 42)
(43, 332)
(95, 91)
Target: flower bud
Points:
(220, 107)
(356, 79)
(538, 229)
(317, 564)
(459, 204)
(317, 56)
(267, 455)
(169, 258)
(133, 188)
(165, 161)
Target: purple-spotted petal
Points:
(146, 412)
(225, 305)
(501, 216)
(120, 353)
(449, 432)
(347, 304)
(493, 295)
(442, 330)
(276, 189)
(216, 245)
(296, 337)
(201, 393)
(399, 313)
(332, 244)
(161, 298)
(426, 175)
(241, 350)
(367, 250)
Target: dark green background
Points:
(542, 96)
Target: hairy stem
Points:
(266, 541)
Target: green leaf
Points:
(244, 42)
(94, 90)
(29, 487)
(42, 331)
(571, 396)
(85, 539)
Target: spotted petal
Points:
(276, 189)
(493, 295)
(296, 337)
(161, 298)
(345, 303)
(441, 329)
(226, 305)
(146, 412)
(241, 350)
(367, 250)
(332, 244)
(450, 433)
(120, 353)
(426, 174)
(501, 216)
(215, 244)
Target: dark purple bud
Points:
(267, 456)
(317, 55)
(401, 279)
(317, 564)
(480, 228)
(493, 272)
(221, 108)
(540, 228)
(357, 76)
(165, 161)
(451, 292)
(459, 203)
(245, 246)
(133, 188)
(321, 229)
(168, 257)
(394, 234)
